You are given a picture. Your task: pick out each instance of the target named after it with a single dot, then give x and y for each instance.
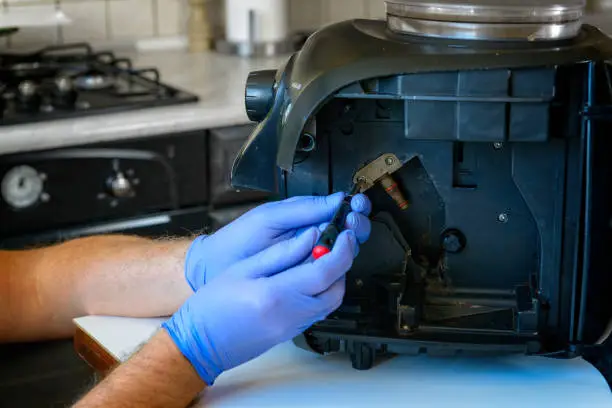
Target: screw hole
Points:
(307, 143)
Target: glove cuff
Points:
(195, 266)
(200, 360)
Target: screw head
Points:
(503, 217)
(498, 145)
(389, 160)
(307, 143)
(359, 283)
(451, 244)
(453, 241)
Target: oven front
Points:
(175, 185)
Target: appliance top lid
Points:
(487, 19)
(489, 11)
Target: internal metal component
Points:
(369, 175)
(379, 171)
(487, 19)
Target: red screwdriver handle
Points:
(319, 251)
(330, 234)
(326, 241)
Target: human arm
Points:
(157, 376)
(42, 290)
(256, 304)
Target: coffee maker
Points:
(494, 124)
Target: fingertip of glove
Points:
(351, 238)
(352, 221)
(349, 234)
(335, 199)
(312, 234)
(361, 203)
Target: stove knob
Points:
(259, 94)
(64, 94)
(63, 84)
(28, 98)
(120, 186)
(27, 89)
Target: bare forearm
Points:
(111, 275)
(157, 376)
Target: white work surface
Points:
(287, 376)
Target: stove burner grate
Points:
(72, 80)
(93, 82)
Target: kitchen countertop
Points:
(287, 376)
(217, 79)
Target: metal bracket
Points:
(369, 175)
(379, 171)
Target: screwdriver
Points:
(337, 225)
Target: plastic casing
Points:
(505, 142)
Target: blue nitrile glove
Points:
(267, 225)
(260, 302)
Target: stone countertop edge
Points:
(217, 79)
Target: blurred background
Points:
(119, 23)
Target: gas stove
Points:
(73, 80)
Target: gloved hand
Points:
(260, 302)
(267, 225)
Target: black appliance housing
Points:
(504, 158)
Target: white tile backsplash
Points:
(89, 20)
(131, 18)
(305, 14)
(337, 10)
(109, 20)
(27, 2)
(376, 9)
(34, 37)
(170, 17)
